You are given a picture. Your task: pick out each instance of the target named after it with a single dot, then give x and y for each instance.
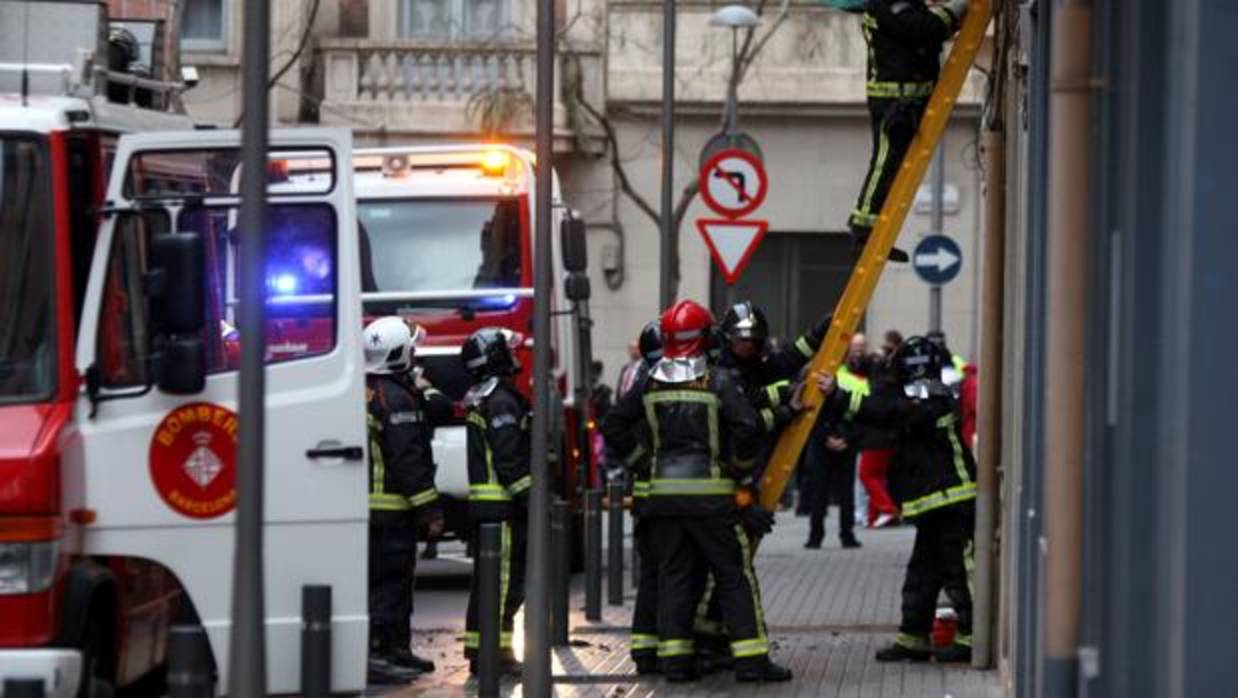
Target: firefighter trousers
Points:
(941, 559)
(644, 642)
(392, 563)
(894, 122)
(721, 544)
(511, 587)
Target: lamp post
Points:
(736, 17)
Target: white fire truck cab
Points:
(122, 521)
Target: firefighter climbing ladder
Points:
(867, 272)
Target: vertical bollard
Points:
(315, 641)
(560, 588)
(488, 621)
(26, 688)
(593, 555)
(189, 663)
(614, 564)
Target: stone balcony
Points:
(434, 90)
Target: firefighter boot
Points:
(396, 650)
(859, 238)
(762, 670)
(901, 651)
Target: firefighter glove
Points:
(756, 520)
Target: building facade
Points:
(423, 71)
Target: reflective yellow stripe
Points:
(883, 153)
(423, 497)
(959, 362)
(773, 390)
(505, 580)
(944, 15)
(520, 485)
(749, 648)
(853, 407)
(374, 427)
(746, 560)
(687, 486)
(388, 502)
(641, 641)
(960, 463)
(852, 383)
(675, 648)
(961, 639)
(937, 500)
(635, 456)
(767, 416)
(863, 218)
(898, 89)
(472, 640)
(912, 642)
(803, 347)
(488, 493)
(640, 489)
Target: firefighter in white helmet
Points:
(401, 415)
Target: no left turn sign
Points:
(733, 183)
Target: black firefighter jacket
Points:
(499, 447)
(401, 426)
(904, 46)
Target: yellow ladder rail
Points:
(867, 272)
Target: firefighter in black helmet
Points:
(933, 477)
(904, 40)
(644, 639)
(702, 433)
(499, 479)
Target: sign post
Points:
(733, 184)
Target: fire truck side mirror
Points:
(175, 283)
(572, 240)
(182, 366)
(576, 287)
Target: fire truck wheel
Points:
(97, 653)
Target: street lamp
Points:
(736, 17)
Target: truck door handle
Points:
(345, 452)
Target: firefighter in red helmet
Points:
(704, 435)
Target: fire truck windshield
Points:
(27, 340)
(443, 246)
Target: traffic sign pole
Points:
(939, 185)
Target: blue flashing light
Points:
(504, 301)
(284, 284)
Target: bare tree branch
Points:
(616, 163)
(302, 43)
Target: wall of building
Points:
(816, 163)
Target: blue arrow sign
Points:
(937, 260)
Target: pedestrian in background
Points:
(878, 442)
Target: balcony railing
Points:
(419, 87)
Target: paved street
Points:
(828, 611)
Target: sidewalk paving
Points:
(828, 611)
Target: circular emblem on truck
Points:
(193, 460)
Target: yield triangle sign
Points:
(731, 243)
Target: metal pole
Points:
(315, 641)
(938, 186)
(560, 536)
(537, 634)
(489, 625)
(732, 87)
(614, 546)
(584, 392)
(593, 554)
(247, 672)
(189, 663)
(666, 276)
